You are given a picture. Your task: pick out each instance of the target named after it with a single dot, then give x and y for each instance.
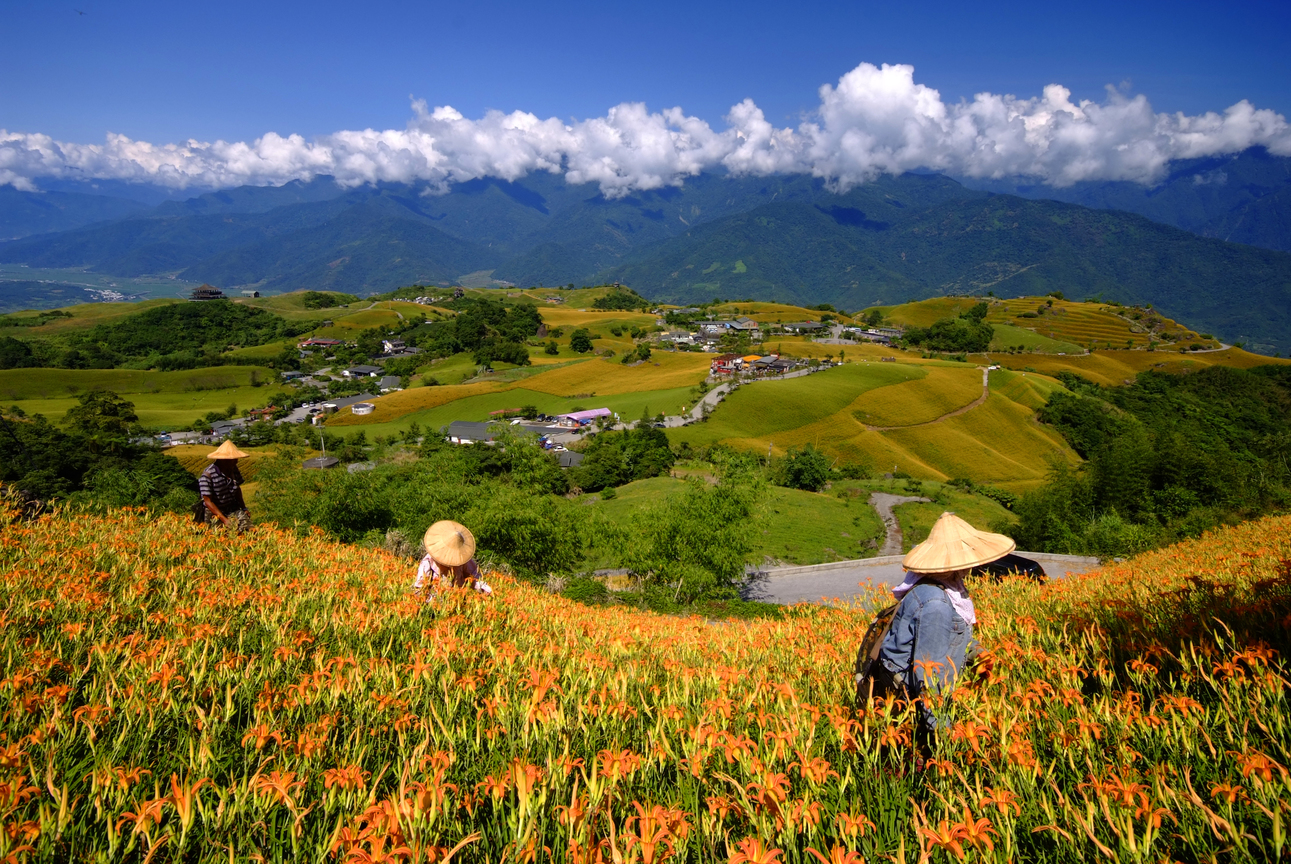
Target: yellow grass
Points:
(941, 391)
(674, 369)
(771, 312)
(1114, 368)
(1077, 324)
(563, 316)
(998, 442)
(84, 316)
(394, 405)
(193, 458)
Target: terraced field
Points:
(1065, 326)
(1114, 368)
(997, 442)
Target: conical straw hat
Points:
(953, 544)
(450, 543)
(227, 450)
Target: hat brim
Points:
(953, 544)
(450, 543)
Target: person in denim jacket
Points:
(931, 635)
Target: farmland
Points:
(277, 696)
(165, 400)
(832, 410)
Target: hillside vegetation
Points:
(784, 239)
(279, 696)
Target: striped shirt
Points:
(223, 489)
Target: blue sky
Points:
(169, 71)
(845, 91)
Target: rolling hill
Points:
(784, 238)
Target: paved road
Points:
(846, 580)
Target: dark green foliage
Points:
(101, 414)
(614, 458)
(968, 332)
(496, 333)
(91, 460)
(551, 348)
(695, 543)
(503, 499)
(15, 354)
(178, 336)
(580, 341)
(621, 299)
(1168, 457)
(807, 469)
(326, 299)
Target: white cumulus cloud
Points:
(875, 120)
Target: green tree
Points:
(552, 348)
(102, 415)
(696, 542)
(807, 469)
(580, 341)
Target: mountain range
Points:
(1209, 245)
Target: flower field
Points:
(172, 694)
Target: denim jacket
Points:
(926, 631)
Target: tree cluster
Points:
(91, 458)
(1167, 457)
(968, 332)
(611, 459)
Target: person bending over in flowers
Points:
(931, 634)
(450, 560)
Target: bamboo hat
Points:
(953, 544)
(227, 450)
(450, 543)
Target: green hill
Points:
(887, 252)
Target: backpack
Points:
(867, 657)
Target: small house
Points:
(582, 418)
(362, 371)
(206, 292)
(725, 364)
(319, 343)
(388, 383)
(466, 432)
(250, 293)
(392, 346)
(744, 325)
(569, 459)
(803, 326)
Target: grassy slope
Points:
(1114, 368)
(84, 316)
(997, 442)
(793, 527)
(1065, 327)
(163, 400)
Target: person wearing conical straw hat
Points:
(450, 560)
(220, 486)
(932, 628)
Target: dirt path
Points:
(986, 391)
(883, 502)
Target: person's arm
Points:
(210, 505)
